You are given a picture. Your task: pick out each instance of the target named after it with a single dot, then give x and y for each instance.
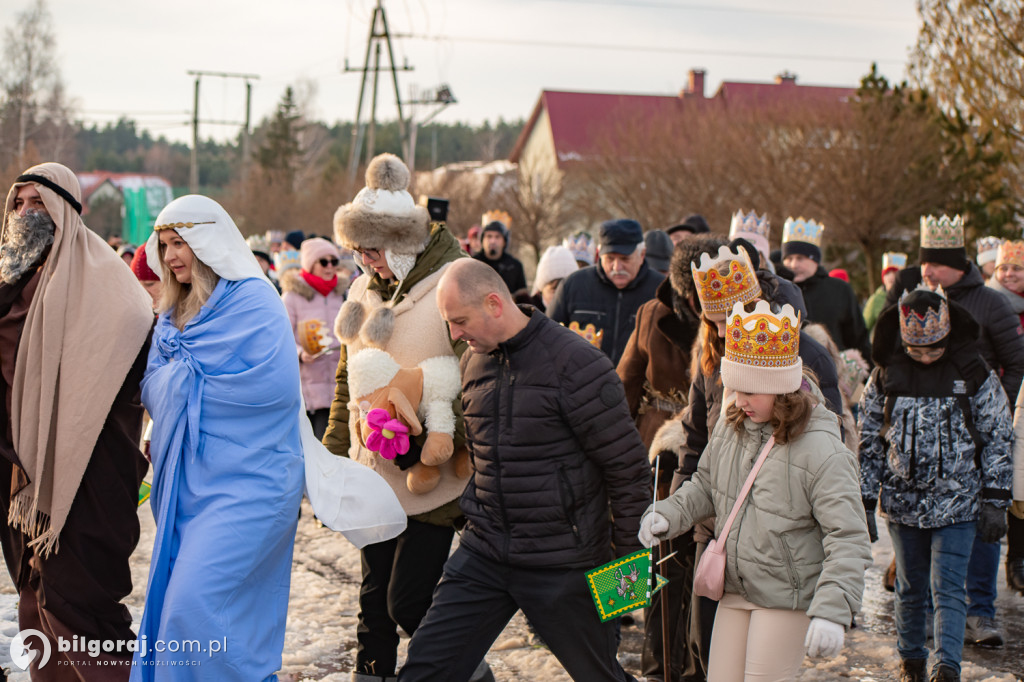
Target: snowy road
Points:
(320, 639)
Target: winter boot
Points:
(913, 670)
(1015, 574)
(363, 677)
(943, 673)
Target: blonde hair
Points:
(184, 301)
(790, 413)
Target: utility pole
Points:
(442, 97)
(378, 34)
(193, 171)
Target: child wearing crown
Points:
(798, 545)
(935, 454)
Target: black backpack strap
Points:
(965, 408)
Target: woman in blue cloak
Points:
(222, 386)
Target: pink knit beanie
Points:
(314, 249)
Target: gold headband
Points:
(174, 226)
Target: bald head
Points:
(475, 302)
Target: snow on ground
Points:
(320, 638)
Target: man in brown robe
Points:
(74, 338)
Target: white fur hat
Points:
(557, 262)
(383, 215)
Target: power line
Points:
(654, 4)
(646, 48)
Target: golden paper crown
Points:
(924, 329)
(592, 334)
(762, 338)
(987, 244)
(501, 216)
(718, 292)
(315, 336)
(942, 232)
(800, 230)
(894, 259)
(750, 223)
(1011, 253)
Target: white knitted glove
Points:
(824, 638)
(654, 524)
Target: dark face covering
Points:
(26, 240)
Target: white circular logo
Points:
(22, 656)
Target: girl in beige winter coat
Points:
(798, 547)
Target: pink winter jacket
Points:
(305, 303)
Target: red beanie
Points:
(141, 268)
(839, 273)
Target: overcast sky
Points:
(496, 55)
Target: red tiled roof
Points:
(583, 123)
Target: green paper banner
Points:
(623, 585)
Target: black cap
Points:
(659, 250)
(295, 238)
(694, 224)
(620, 236)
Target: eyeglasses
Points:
(919, 353)
(329, 261)
(373, 254)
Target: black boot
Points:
(943, 673)
(1015, 574)
(913, 670)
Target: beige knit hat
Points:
(762, 350)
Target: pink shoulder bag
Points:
(709, 577)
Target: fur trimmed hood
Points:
(383, 215)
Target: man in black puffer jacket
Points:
(560, 480)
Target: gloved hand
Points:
(653, 525)
(991, 523)
(869, 513)
(824, 638)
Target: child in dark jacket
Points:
(935, 433)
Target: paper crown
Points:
(750, 223)
(762, 338)
(286, 260)
(894, 259)
(582, 246)
(1011, 253)
(919, 329)
(718, 292)
(987, 244)
(258, 243)
(501, 216)
(942, 232)
(801, 230)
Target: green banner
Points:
(623, 585)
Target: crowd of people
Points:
(769, 415)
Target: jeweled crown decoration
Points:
(988, 244)
(800, 230)
(750, 223)
(762, 338)
(718, 292)
(1011, 253)
(942, 232)
(501, 216)
(894, 259)
(919, 329)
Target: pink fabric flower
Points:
(388, 436)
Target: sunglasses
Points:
(329, 261)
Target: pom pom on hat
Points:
(383, 214)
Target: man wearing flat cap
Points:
(74, 338)
(600, 302)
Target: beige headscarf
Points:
(85, 326)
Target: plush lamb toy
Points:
(417, 397)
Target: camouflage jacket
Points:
(921, 466)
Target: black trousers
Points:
(319, 419)
(399, 577)
(474, 602)
(1014, 537)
